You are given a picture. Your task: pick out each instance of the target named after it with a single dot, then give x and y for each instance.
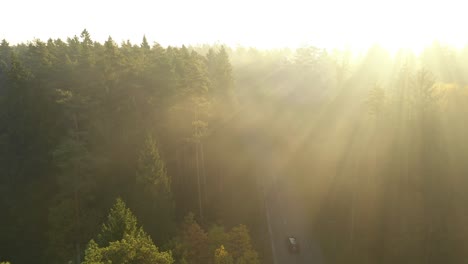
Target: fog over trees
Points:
(138, 153)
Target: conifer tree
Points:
(154, 186)
(122, 241)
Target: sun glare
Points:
(263, 24)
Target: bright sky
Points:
(260, 23)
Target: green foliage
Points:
(154, 185)
(221, 256)
(75, 120)
(131, 249)
(121, 241)
(194, 241)
(240, 246)
(217, 237)
(151, 171)
(194, 245)
(120, 222)
(222, 82)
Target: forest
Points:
(138, 153)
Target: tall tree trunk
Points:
(76, 198)
(202, 156)
(200, 206)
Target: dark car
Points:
(293, 246)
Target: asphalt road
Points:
(286, 216)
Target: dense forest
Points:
(139, 153)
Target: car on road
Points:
(293, 246)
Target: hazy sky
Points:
(258, 23)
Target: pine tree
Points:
(5, 55)
(69, 219)
(120, 222)
(154, 185)
(222, 81)
(122, 241)
(144, 44)
(87, 58)
(151, 171)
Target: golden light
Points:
(264, 24)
